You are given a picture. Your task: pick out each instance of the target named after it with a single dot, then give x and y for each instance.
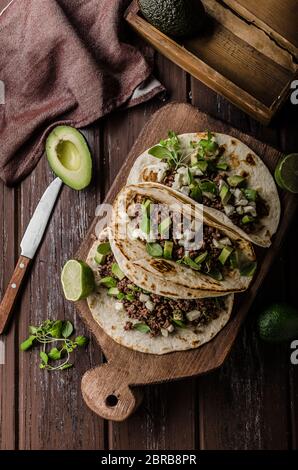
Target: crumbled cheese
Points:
(119, 306)
(183, 173)
(196, 171)
(177, 181)
(225, 241)
(242, 202)
(185, 190)
(132, 210)
(161, 171)
(250, 210)
(215, 243)
(164, 332)
(229, 210)
(149, 305)
(193, 315)
(144, 297)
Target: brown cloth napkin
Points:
(64, 62)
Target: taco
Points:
(220, 172)
(168, 245)
(148, 322)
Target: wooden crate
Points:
(247, 51)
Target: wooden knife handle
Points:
(12, 291)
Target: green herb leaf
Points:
(130, 297)
(28, 343)
(65, 366)
(104, 248)
(160, 152)
(179, 323)
(192, 264)
(33, 330)
(67, 329)
(248, 269)
(108, 281)
(142, 327)
(154, 249)
(196, 193)
(56, 329)
(44, 357)
(81, 341)
(55, 354)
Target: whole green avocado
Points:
(178, 18)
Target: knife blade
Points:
(29, 244)
(38, 223)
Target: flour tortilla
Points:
(166, 277)
(102, 307)
(240, 159)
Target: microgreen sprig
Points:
(50, 332)
(170, 150)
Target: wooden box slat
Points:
(278, 17)
(233, 55)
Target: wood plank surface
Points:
(251, 403)
(52, 413)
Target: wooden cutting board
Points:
(110, 389)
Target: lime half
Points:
(286, 172)
(77, 280)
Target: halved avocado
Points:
(69, 156)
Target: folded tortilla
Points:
(112, 321)
(165, 276)
(241, 160)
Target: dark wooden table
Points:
(250, 403)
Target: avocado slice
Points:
(69, 156)
(176, 18)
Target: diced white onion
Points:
(170, 329)
(239, 210)
(164, 332)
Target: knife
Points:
(29, 245)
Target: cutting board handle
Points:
(107, 392)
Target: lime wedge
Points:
(77, 280)
(286, 172)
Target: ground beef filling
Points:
(160, 212)
(165, 310)
(261, 205)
